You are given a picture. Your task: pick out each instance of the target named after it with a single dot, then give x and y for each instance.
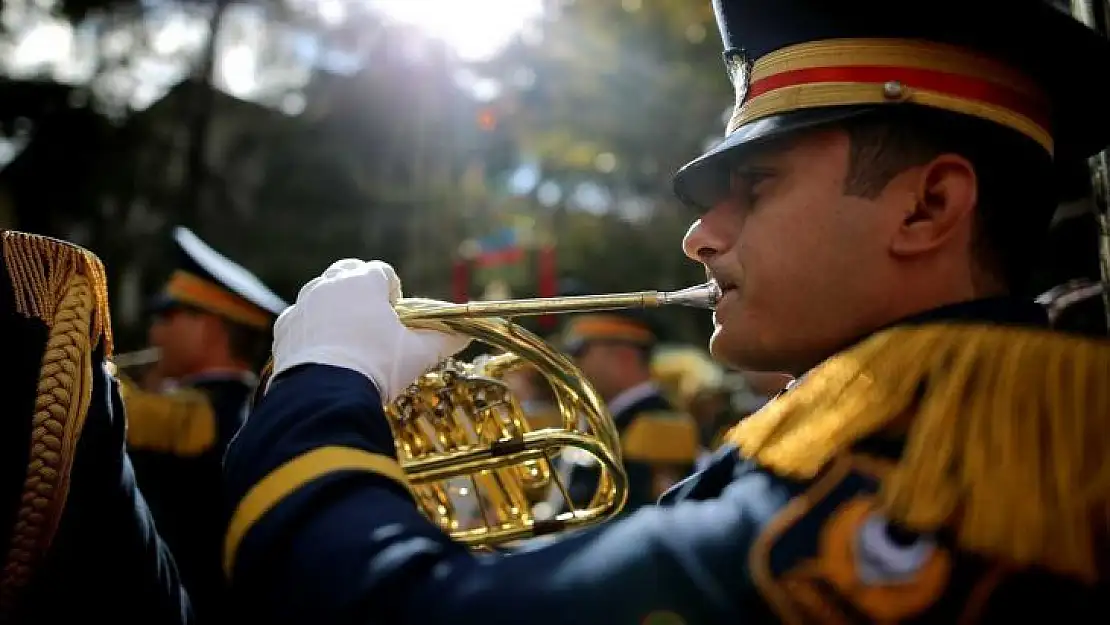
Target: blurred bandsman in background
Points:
(715, 398)
(79, 543)
(660, 443)
(212, 324)
(697, 386)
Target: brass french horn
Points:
(462, 437)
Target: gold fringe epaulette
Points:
(63, 286)
(41, 269)
(1007, 435)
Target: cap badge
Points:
(739, 72)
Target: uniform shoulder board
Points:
(661, 437)
(180, 423)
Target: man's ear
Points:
(946, 193)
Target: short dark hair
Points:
(1017, 195)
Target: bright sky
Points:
(475, 29)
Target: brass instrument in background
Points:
(137, 358)
(461, 437)
(1095, 14)
(1060, 298)
(130, 367)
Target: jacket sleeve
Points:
(107, 524)
(324, 531)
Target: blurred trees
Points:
(624, 91)
(365, 138)
(607, 100)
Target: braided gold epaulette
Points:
(181, 422)
(1005, 430)
(63, 286)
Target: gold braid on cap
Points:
(848, 72)
(1005, 435)
(64, 286)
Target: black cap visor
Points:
(705, 181)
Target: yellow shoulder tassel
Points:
(63, 286)
(41, 268)
(1007, 435)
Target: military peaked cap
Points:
(612, 326)
(1021, 65)
(209, 281)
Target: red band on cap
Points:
(842, 72)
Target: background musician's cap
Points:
(611, 326)
(1020, 67)
(622, 326)
(207, 280)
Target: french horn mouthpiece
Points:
(701, 296)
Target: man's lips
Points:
(728, 292)
(725, 285)
(723, 279)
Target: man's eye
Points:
(748, 185)
(749, 178)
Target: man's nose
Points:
(702, 243)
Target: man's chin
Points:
(723, 347)
(739, 351)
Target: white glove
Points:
(345, 318)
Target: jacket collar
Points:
(994, 310)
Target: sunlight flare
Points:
(475, 29)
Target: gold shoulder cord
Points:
(63, 286)
(1006, 441)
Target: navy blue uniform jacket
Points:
(107, 562)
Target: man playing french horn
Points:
(942, 455)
